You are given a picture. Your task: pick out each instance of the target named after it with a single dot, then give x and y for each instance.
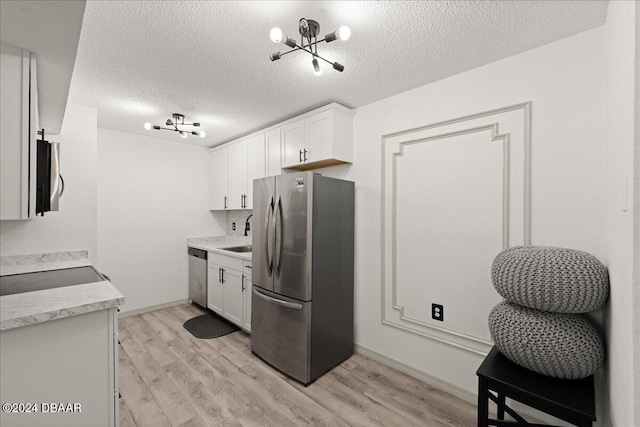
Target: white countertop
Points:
(216, 243)
(39, 262)
(28, 308)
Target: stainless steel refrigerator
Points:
(302, 298)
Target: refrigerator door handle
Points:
(267, 242)
(278, 301)
(278, 235)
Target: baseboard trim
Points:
(124, 314)
(453, 389)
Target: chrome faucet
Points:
(247, 226)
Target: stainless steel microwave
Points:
(49, 182)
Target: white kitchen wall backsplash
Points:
(239, 218)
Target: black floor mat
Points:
(209, 325)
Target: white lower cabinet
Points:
(246, 296)
(71, 361)
(228, 289)
(215, 289)
(232, 307)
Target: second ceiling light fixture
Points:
(309, 30)
(178, 120)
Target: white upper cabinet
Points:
(255, 165)
(318, 136)
(232, 171)
(19, 115)
(219, 179)
(237, 175)
(292, 143)
(274, 153)
(319, 139)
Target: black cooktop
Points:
(38, 281)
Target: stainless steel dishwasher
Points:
(198, 276)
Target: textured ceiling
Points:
(141, 61)
(51, 30)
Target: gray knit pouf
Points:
(554, 344)
(551, 279)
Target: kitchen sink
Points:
(246, 248)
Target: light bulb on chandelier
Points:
(316, 67)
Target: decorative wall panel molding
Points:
(455, 193)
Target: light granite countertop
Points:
(216, 243)
(20, 264)
(29, 308)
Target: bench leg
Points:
(501, 403)
(585, 422)
(483, 403)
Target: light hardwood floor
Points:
(170, 378)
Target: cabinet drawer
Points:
(225, 261)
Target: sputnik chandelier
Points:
(309, 30)
(178, 120)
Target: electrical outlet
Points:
(437, 312)
(233, 226)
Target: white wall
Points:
(564, 81)
(636, 224)
(73, 227)
(152, 196)
(619, 98)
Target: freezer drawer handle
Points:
(278, 302)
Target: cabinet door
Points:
(246, 297)
(319, 137)
(274, 153)
(237, 175)
(292, 143)
(255, 166)
(215, 288)
(17, 133)
(233, 302)
(218, 179)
